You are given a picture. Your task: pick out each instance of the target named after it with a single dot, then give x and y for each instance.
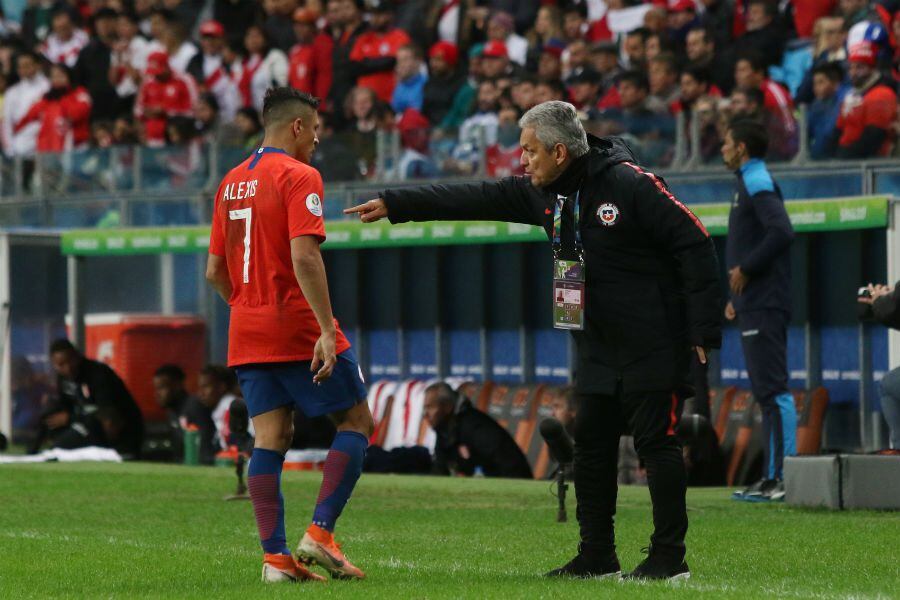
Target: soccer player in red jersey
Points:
(286, 347)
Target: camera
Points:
(863, 309)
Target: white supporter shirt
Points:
(65, 51)
(222, 86)
(135, 56)
(18, 100)
(272, 71)
(180, 59)
(517, 48)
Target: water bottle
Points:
(192, 445)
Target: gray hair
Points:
(557, 122)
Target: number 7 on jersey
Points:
(240, 215)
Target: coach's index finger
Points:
(370, 211)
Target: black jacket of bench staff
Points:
(488, 445)
(653, 287)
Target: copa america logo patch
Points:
(608, 214)
(314, 205)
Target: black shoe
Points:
(660, 566)
(756, 491)
(587, 565)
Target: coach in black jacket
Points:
(652, 296)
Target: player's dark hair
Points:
(220, 374)
(173, 372)
(445, 393)
(285, 103)
(635, 78)
(751, 134)
(62, 345)
(832, 70)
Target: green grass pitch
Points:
(158, 531)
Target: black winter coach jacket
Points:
(651, 270)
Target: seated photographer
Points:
(183, 411)
(881, 303)
(468, 438)
(93, 406)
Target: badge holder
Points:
(568, 276)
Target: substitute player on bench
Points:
(288, 350)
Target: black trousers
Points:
(651, 417)
(764, 341)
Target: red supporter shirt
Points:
(310, 69)
(503, 162)
(59, 117)
(260, 206)
(372, 44)
(173, 96)
(778, 101)
(876, 108)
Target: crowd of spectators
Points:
(450, 77)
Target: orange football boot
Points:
(318, 547)
(278, 568)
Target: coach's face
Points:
(306, 136)
(543, 166)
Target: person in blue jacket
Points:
(759, 272)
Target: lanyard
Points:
(557, 225)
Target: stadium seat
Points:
(720, 400)
(811, 407)
(738, 443)
(537, 452)
(478, 393)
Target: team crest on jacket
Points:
(608, 214)
(314, 205)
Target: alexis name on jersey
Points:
(240, 190)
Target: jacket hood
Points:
(608, 151)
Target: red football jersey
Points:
(260, 206)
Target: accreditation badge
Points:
(568, 294)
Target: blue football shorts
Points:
(267, 386)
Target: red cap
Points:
(412, 119)
(305, 15)
(862, 52)
(495, 49)
(446, 50)
(212, 29)
(681, 5)
(157, 62)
